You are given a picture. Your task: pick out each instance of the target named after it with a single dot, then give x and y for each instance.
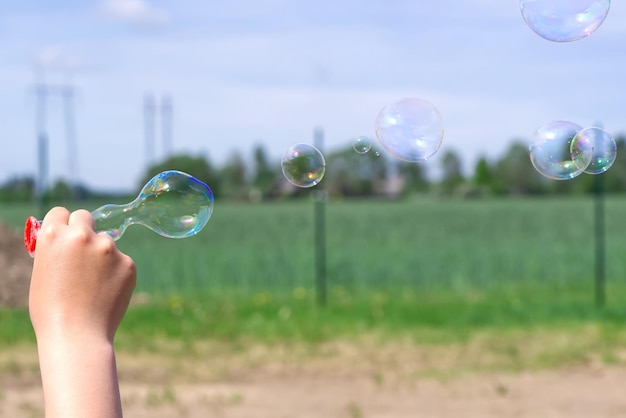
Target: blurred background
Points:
(121, 84)
(387, 272)
(98, 97)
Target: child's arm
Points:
(80, 289)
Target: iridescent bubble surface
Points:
(604, 149)
(564, 20)
(558, 153)
(362, 144)
(303, 165)
(172, 204)
(410, 129)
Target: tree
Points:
(60, 192)
(198, 167)
(515, 174)
(452, 172)
(483, 175)
(414, 176)
(18, 189)
(265, 175)
(615, 177)
(352, 174)
(233, 176)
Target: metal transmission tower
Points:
(67, 94)
(41, 181)
(149, 119)
(43, 91)
(166, 124)
(165, 111)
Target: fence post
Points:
(320, 228)
(600, 256)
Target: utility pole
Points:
(320, 229)
(600, 241)
(600, 238)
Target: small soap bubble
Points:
(362, 144)
(564, 20)
(604, 149)
(303, 165)
(557, 152)
(410, 129)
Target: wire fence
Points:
(416, 244)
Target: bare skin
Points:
(80, 290)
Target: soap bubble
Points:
(564, 20)
(362, 144)
(557, 152)
(410, 129)
(604, 149)
(303, 165)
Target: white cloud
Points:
(136, 12)
(56, 59)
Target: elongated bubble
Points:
(172, 204)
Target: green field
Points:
(436, 270)
(410, 245)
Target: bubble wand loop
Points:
(172, 204)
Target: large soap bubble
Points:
(564, 20)
(362, 144)
(604, 149)
(410, 129)
(303, 165)
(557, 152)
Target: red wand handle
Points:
(31, 230)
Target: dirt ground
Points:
(574, 393)
(214, 384)
(15, 268)
(339, 381)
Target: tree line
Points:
(353, 175)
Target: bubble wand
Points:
(172, 204)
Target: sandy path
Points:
(585, 392)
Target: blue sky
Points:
(242, 72)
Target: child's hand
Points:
(81, 282)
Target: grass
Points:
(431, 316)
(418, 244)
(457, 332)
(428, 317)
(494, 274)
